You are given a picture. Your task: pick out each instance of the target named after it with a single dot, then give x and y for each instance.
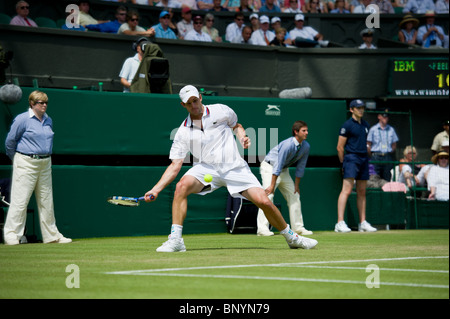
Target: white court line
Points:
(165, 271)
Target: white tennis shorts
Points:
(235, 180)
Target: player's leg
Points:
(261, 221)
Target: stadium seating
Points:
(46, 22)
(4, 18)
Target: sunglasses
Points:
(165, 17)
(210, 20)
(41, 102)
(134, 20)
(25, 7)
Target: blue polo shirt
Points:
(165, 34)
(356, 134)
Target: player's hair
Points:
(297, 126)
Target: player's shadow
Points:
(226, 248)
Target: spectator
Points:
(254, 21)
(408, 176)
(385, 6)
(364, 7)
(367, 37)
(190, 4)
(217, 6)
(293, 7)
(339, 7)
(353, 155)
(244, 6)
(316, 6)
(382, 143)
(275, 23)
(143, 2)
(231, 5)
(131, 65)
(418, 6)
(29, 145)
(440, 138)
(255, 4)
(205, 5)
(112, 26)
(269, 7)
(131, 27)
(186, 24)
(162, 29)
(85, 17)
(263, 36)
(438, 178)
(305, 36)
(174, 4)
(280, 38)
(441, 6)
(209, 29)
(275, 174)
(23, 10)
(196, 34)
(245, 36)
(234, 29)
(431, 35)
(408, 29)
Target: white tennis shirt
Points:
(213, 145)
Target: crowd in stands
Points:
(417, 27)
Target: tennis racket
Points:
(127, 201)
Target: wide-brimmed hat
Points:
(429, 14)
(409, 18)
(435, 157)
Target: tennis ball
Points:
(208, 178)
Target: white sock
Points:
(176, 231)
(288, 233)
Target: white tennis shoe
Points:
(342, 227)
(172, 245)
(302, 242)
(366, 227)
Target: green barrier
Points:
(111, 123)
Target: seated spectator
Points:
(408, 176)
(244, 37)
(142, 2)
(254, 22)
(316, 6)
(244, 6)
(305, 36)
(367, 37)
(205, 5)
(217, 6)
(418, 6)
(385, 6)
(209, 29)
(131, 27)
(186, 24)
(231, 5)
(440, 138)
(23, 10)
(85, 17)
(269, 7)
(112, 26)
(438, 178)
(293, 7)
(131, 65)
(280, 37)
(263, 36)
(430, 35)
(174, 4)
(339, 7)
(276, 24)
(189, 4)
(364, 7)
(234, 29)
(162, 29)
(441, 6)
(408, 29)
(196, 34)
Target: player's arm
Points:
(340, 147)
(238, 129)
(169, 175)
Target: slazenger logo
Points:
(273, 110)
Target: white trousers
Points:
(31, 175)
(287, 188)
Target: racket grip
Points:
(143, 198)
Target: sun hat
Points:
(435, 157)
(409, 18)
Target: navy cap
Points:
(357, 103)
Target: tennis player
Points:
(208, 134)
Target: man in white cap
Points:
(305, 35)
(263, 36)
(207, 133)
